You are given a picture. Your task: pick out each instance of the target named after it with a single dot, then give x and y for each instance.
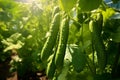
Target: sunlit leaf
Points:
(14, 46)
(88, 5)
(107, 14)
(3, 27)
(67, 5)
(7, 4)
(6, 42)
(13, 42)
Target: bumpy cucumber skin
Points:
(51, 69)
(98, 41)
(55, 10)
(64, 32)
(50, 42)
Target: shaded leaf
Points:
(116, 16)
(116, 36)
(88, 5)
(78, 58)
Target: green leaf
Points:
(107, 14)
(88, 5)
(85, 33)
(14, 46)
(116, 36)
(7, 4)
(67, 5)
(115, 1)
(13, 42)
(78, 57)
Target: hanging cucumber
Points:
(50, 42)
(96, 29)
(64, 31)
(51, 68)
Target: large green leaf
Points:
(67, 5)
(88, 5)
(78, 57)
(7, 4)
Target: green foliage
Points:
(115, 35)
(115, 1)
(107, 14)
(67, 39)
(13, 42)
(67, 7)
(87, 5)
(22, 29)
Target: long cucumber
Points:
(64, 31)
(50, 71)
(96, 26)
(50, 42)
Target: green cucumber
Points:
(55, 10)
(96, 28)
(50, 42)
(64, 32)
(50, 71)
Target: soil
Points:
(5, 75)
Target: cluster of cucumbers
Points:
(54, 48)
(55, 44)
